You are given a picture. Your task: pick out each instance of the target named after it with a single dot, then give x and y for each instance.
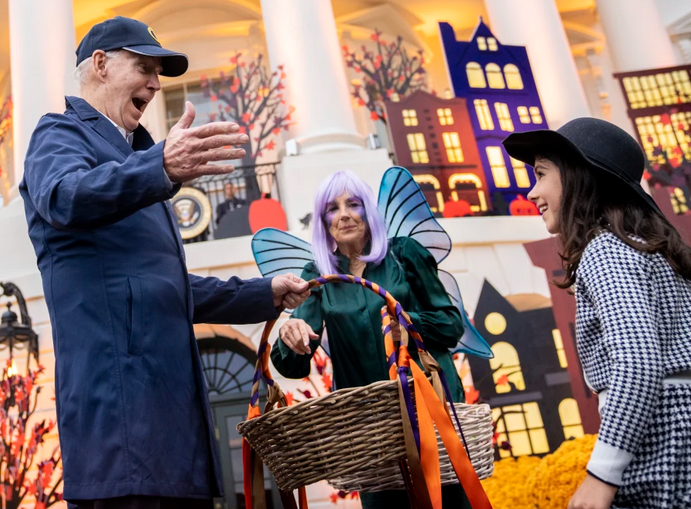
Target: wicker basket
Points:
(353, 438)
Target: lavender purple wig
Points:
(323, 244)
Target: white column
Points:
(537, 25)
(42, 62)
(635, 34)
(301, 35)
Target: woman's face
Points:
(546, 193)
(345, 219)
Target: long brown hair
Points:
(592, 201)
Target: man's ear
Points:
(100, 61)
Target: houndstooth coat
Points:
(633, 331)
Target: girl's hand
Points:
(296, 334)
(593, 494)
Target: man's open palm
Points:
(188, 151)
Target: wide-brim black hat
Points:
(133, 36)
(601, 145)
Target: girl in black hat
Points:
(631, 273)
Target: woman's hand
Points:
(296, 334)
(593, 494)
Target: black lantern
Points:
(13, 333)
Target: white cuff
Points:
(608, 463)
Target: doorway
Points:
(229, 367)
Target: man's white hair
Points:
(81, 73)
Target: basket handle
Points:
(404, 329)
(431, 396)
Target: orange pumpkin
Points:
(522, 207)
(460, 208)
(267, 213)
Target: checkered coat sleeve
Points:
(621, 340)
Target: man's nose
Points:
(155, 83)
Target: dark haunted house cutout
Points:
(526, 383)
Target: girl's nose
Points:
(532, 195)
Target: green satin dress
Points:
(351, 315)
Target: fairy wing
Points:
(407, 213)
(277, 252)
(471, 342)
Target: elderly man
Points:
(133, 415)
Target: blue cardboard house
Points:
(497, 82)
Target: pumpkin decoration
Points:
(459, 208)
(522, 207)
(267, 213)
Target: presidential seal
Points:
(193, 212)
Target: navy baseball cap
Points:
(134, 36)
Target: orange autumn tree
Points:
(387, 71)
(22, 441)
(253, 98)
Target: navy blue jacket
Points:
(132, 406)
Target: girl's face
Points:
(345, 219)
(546, 193)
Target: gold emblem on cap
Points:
(152, 34)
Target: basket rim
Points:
(243, 425)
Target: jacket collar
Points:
(104, 127)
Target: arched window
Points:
(570, 418)
(468, 187)
(494, 76)
(476, 78)
(429, 184)
(505, 362)
(513, 77)
(228, 365)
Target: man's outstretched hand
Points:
(289, 291)
(188, 151)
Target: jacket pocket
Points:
(134, 315)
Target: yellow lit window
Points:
(445, 116)
(409, 117)
(431, 195)
(418, 148)
(482, 44)
(513, 77)
(559, 345)
(667, 133)
(659, 89)
(535, 115)
(476, 78)
(395, 97)
(484, 115)
(468, 186)
(448, 94)
(494, 76)
(453, 147)
(523, 115)
(570, 418)
(522, 426)
(679, 203)
(505, 362)
(498, 165)
(520, 172)
(492, 44)
(504, 116)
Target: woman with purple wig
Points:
(350, 238)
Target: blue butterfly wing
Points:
(407, 213)
(277, 252)
(471, 342)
